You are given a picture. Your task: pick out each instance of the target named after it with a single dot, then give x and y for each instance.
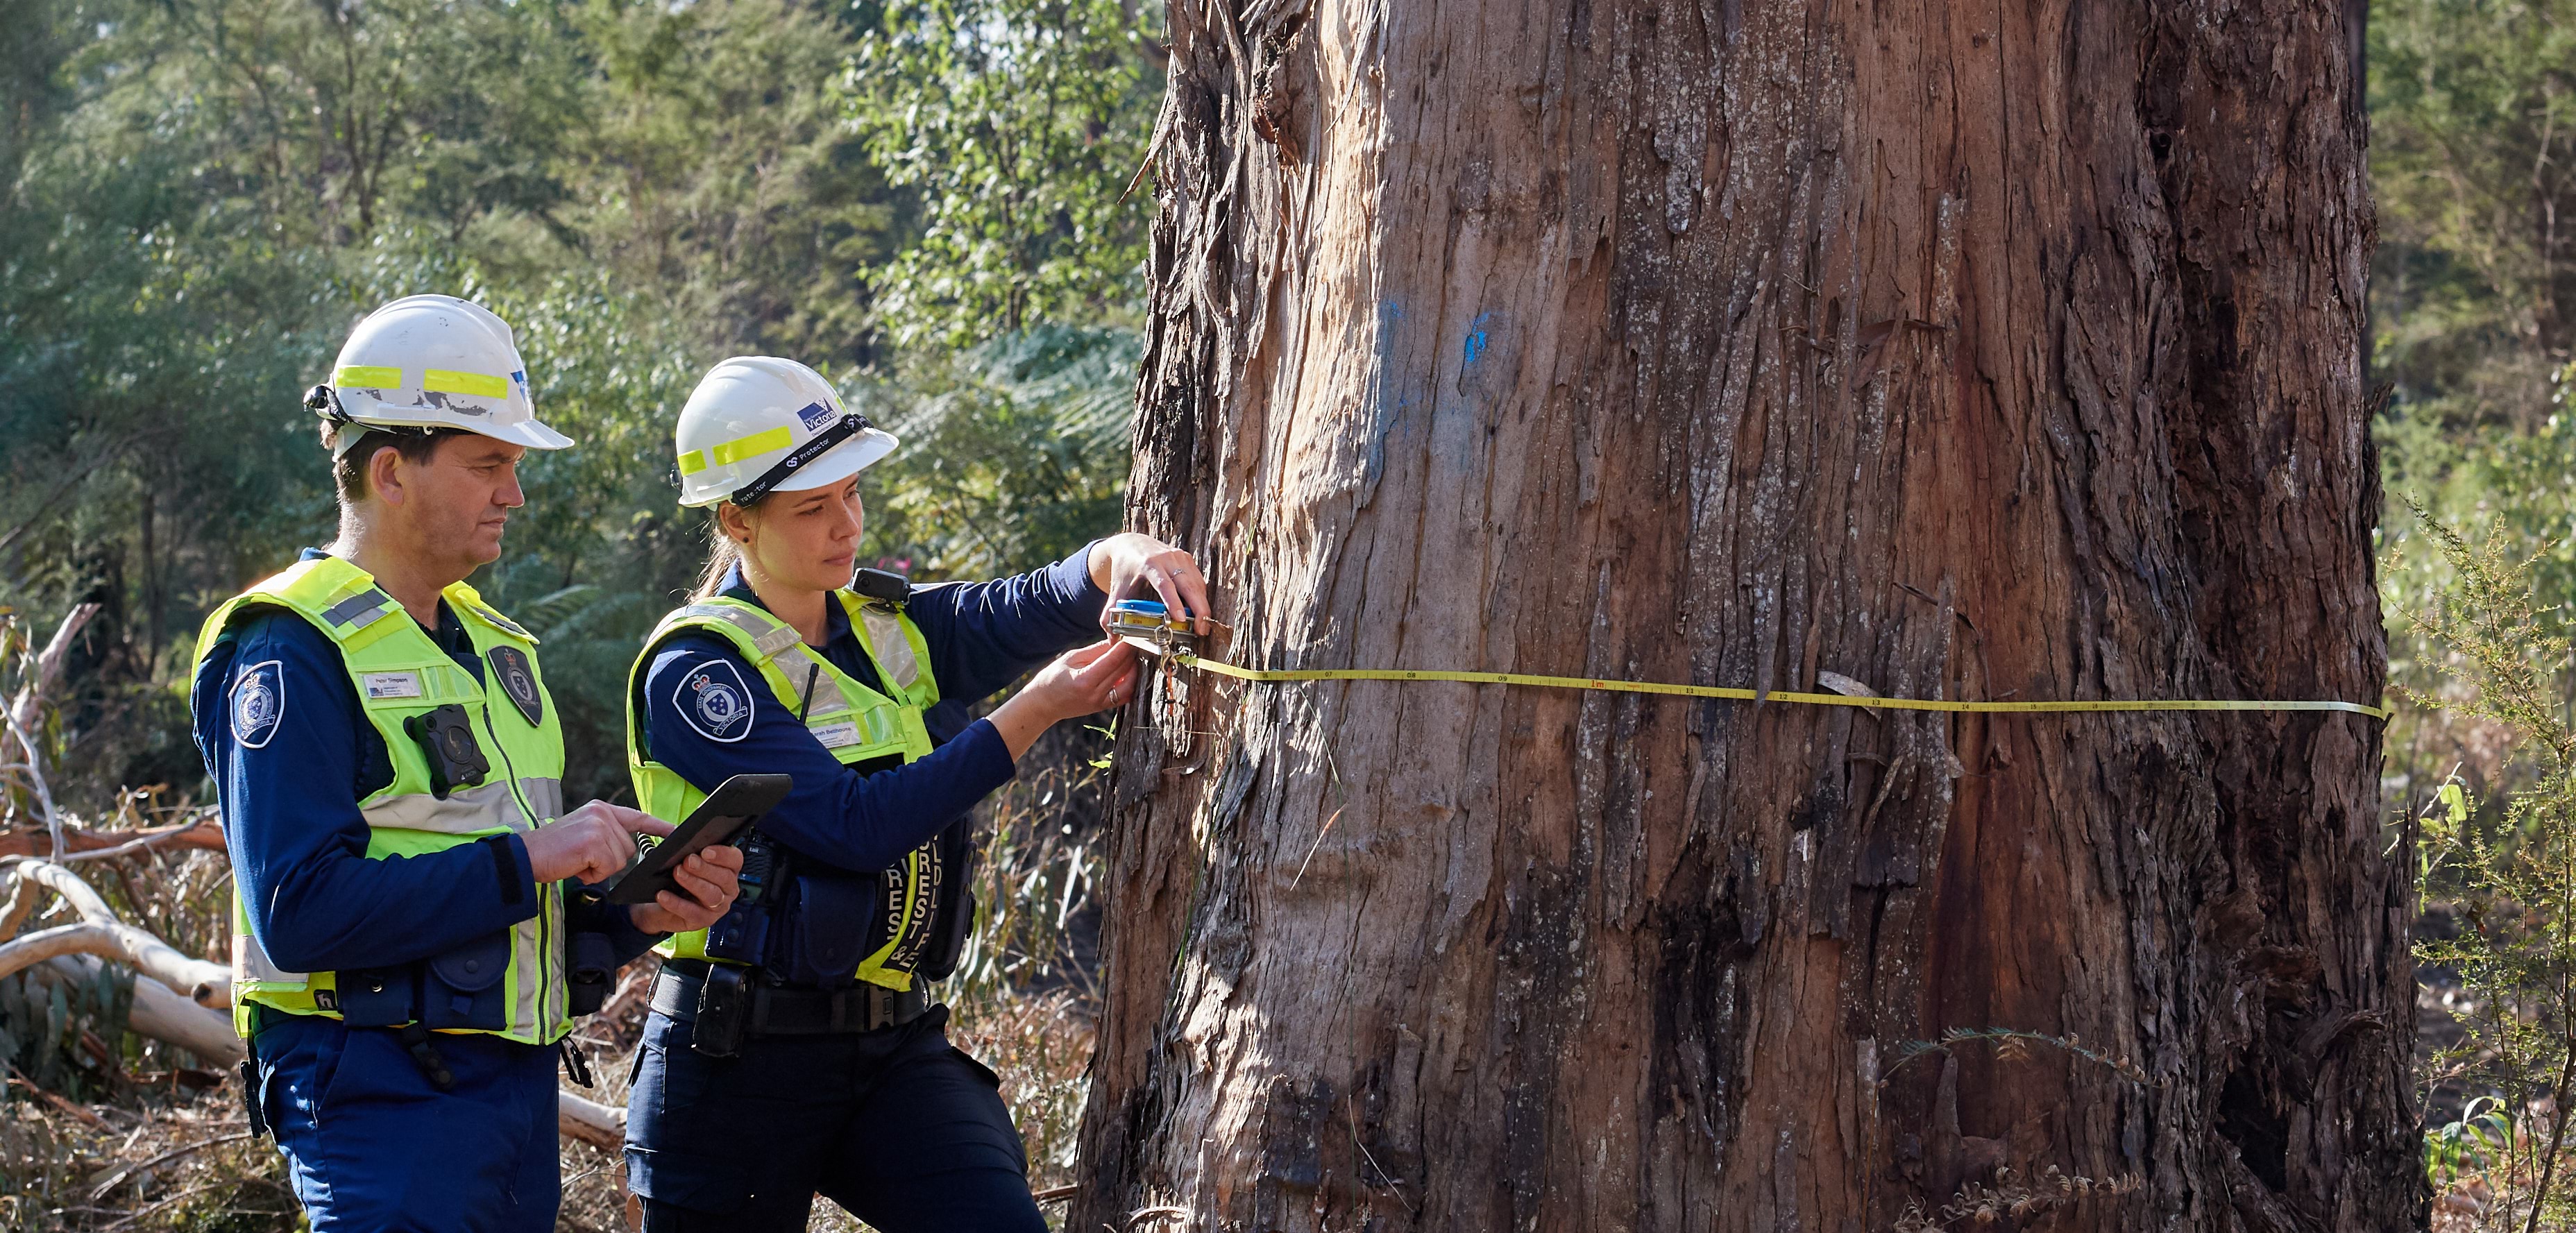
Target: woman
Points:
(792, 1048)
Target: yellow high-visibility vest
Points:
(399, 672)
(853, 722)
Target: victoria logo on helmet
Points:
(814, 416)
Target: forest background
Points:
(941, 205)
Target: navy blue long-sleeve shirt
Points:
(981, 636)
(298, 840)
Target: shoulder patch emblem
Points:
(518, 679)
(259, 701)
(714, 700)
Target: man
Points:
(406, 962)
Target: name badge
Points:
(383, 685)
(836, 735)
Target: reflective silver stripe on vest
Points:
(894, 651)
(360, 610)
(797, 663)
(545, 796)
(767, 632)
(527, 959)
(490, 807)
(251, 963)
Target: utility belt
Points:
(461, 989)
(465, 988)
(725, 1005)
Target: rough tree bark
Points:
(1995, 353)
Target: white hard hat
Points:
(434, 361)
(759, 424)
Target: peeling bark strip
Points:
(1991, 354)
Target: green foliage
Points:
(2473, 162)
(202, 195)
(2473, 306)
(2512, 879)
(2481, 1139)
(42, 1023)
(1015, 453)
(719, 172)
(1019, 125)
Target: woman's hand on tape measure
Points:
(1084, 681)
(709, 875)
(1132, 566)
(593, 842)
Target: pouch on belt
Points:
(378, 997)
(463, 988)
(829, 925)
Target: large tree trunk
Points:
(2005, 354)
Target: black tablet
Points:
(732, 807)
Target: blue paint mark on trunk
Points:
(1476, 340)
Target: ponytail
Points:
(722, 556)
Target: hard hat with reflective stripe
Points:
(759, 424)
(433, 361)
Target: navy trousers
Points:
(903, 1129)
(370, 1145)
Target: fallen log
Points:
(591, 1122)
(157, 1013)
(205, 983)
(180, 1004)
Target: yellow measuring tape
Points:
(1187, 660)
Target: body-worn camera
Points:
(883, 586)
(446, 737)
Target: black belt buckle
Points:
(881, 1007)
(893, 1007)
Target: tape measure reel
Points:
(1150, 627)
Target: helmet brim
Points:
(368, 412)
(529, 433)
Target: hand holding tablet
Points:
(732, 808)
